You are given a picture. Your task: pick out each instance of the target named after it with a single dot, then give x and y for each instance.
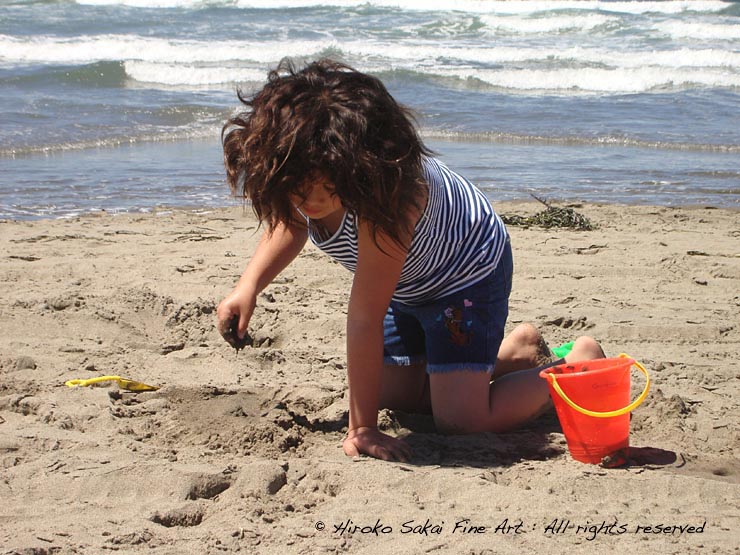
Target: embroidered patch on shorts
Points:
(458, 321)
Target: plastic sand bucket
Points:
(592, 401)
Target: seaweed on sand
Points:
(551, 216)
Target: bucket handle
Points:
(608, 414)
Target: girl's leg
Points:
(585, 348)
(405, 388)
(523, 348)
(464, 402)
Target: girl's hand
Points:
(371, 441)
(239, 305)
(277, 248)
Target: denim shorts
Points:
(461, 331)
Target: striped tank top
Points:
(457, 241)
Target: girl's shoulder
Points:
(433, 171)
(430, 164)
(439, 176)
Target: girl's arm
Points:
(273, 254)
(374, 282)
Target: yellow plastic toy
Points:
(123, 383)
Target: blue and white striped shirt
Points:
(457, 242)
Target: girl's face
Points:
(318, 199)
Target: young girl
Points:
(326, 153)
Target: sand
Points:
(241, 452)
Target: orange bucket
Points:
(592, 401)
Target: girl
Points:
(325, 152)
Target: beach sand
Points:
(241, 452)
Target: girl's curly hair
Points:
(331, 120)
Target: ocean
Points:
(117, 105)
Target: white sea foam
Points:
(701, 31)
(472, 6)
(550, 24)
(197, 63)
(183, 74)
(622, 81)
(571, 80)
(134, 47)
(428, 55)
(153, 3)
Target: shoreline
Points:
(527, 204)
(189, 174)
(243, 451)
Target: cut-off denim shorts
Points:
(461, 331)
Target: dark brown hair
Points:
(335, 121)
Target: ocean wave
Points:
(471, 6)
(593, 80)
(111, 60)
(86, 49)
(700, 31)
(210, 130)
(563, 81)
(192, 131)
(235, 54)
(190, 75)
(426, 56)
(98, 74)
(600, 141)
(188, 4)
(550, 24)
(717, 174)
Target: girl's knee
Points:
(585, 348)
(530, 345)
(526, 335)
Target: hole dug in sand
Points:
(208, 486)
